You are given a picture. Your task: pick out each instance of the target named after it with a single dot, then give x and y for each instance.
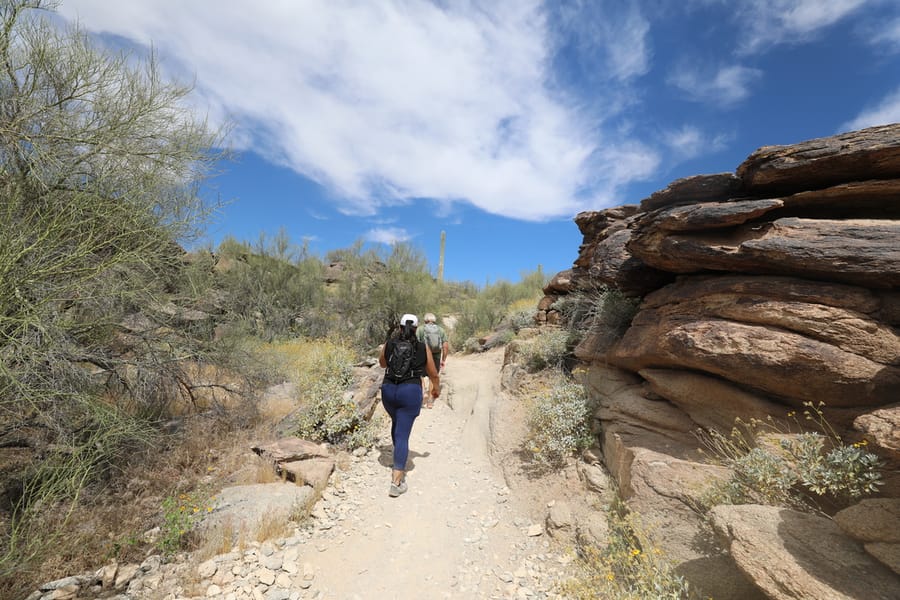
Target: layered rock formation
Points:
(761, 291)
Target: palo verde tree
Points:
(376, 288)
(100, 160)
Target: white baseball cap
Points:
(408, 317)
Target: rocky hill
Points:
(763, 293)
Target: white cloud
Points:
(387, 235)
(888, 35)
(605, 32)
(885, 112)
(382, 102)
(767, 23)
(725, 86)
(689, 141)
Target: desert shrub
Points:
(328, 412)
(520, 314)
(377, 287)
(274, 288)
(496, 304)
(559, 422)
(577, 310)
(547, 350)
(771, 465)
(181, 513)
(630, 567)
(101, 163)
(97, 443)
(477, 316)
(604, 312)
(614, 311)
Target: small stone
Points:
(65, 592)
(125, 574)
(273, 562)
(265, 576)
(207, 569)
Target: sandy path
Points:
(455, 533)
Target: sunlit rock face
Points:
(759, 291)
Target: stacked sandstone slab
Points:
(761, 291)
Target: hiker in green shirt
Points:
(435, 338)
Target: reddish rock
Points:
(791, 555)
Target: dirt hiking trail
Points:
(471, 526)
(459, 532)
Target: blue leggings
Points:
(403, 402)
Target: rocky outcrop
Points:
(791, 554)
(761, 292)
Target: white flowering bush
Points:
(559, 420)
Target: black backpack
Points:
(400, 362)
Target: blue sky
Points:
(498, 121)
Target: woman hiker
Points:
(406, 360)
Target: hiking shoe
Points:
(396, 490)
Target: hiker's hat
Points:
(409, 318)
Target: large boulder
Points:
(773, 336)
(791, 555)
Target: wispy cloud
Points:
(387, 235)
(605, 32)
(381, 102)
(887, 34)
(723, 86)
(689, 142)
(771, 22)
(885, 112)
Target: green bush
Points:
(329, 412)
(274, 289)
(547, 350)
(181, 513)
(771, 465)
(559, 422)
(99, 440)
(377, 287)
(483, 311)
